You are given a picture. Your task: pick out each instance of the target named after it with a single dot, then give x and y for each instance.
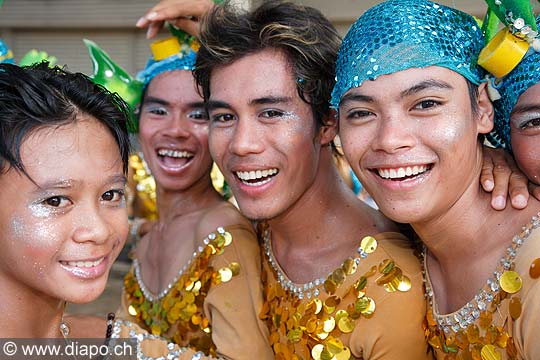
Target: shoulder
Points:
(225, 215)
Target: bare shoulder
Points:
(223, 215)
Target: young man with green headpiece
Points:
(195, 278)
(413, 111)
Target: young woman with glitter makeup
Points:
(63, 156)
(196, 274)
(412, 131)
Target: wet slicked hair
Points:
(307, 38)
(36, 97)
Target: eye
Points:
(155, 110)
(222, 117)
(533, 123)
(271, 113)
(57, 201)
(426, 104)
(113, 195)
(198, 114)
(358, 114)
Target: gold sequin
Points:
(316, 351)
(132, 311)
(404, 284)
(349, 266)
(515, 307)
(226, 274)
(346, 324)
(490, 353)
(386, 266)
(368, 244)
(510, 282)
(329, 324)
(534, 270)
(228, 238)
(235, 268)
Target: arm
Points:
(183, 14)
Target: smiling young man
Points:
(339, 280)
(412, 129)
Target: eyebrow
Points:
(426, 84)
(355, 97)
(71, 183)
(154, 100)
(214, 104)
(519, 109)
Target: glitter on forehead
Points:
(525, 75)
(180, 61)
(401, 34)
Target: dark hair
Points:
(473, 96)
(38, 96)
(308, 39)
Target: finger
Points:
(519, 192)
(486, 176)
(501, 177)
(188, 25)
(169, 10)
(153, 29)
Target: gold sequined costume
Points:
(370, 308)
(212, 304)
(503, 320)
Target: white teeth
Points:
(256, 175)
(174, 153)
(402, 172)
(85, 264)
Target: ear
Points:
(485, 113)
(329, 129)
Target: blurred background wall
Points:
(58, 26)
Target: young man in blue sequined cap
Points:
(412, 115)
(340, 281)
(517, 114)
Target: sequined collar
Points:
(312, 288)
(156, 297)
(503, 278)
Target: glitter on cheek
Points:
(40, 210)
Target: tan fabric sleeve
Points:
(233, 307)
(395, 331)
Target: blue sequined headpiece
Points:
(180, 61)
(525, 75)
(6, 56)
(401, 34)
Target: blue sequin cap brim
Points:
(525, 75)
(401, 34)
(179, 61)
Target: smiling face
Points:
(174, 131)
(525, 132)
(411, 137)
(262, 136)
(61, 235)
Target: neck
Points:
(327, 219)
(27, 313)
(177, 203)
(466, 242)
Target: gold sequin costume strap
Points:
(177, 312)
(314, 320)
(482, 329)
(145, 186)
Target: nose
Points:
(92, 226)
(394, 134)
(178, 126)
(246, 138)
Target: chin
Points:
(86, 294)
